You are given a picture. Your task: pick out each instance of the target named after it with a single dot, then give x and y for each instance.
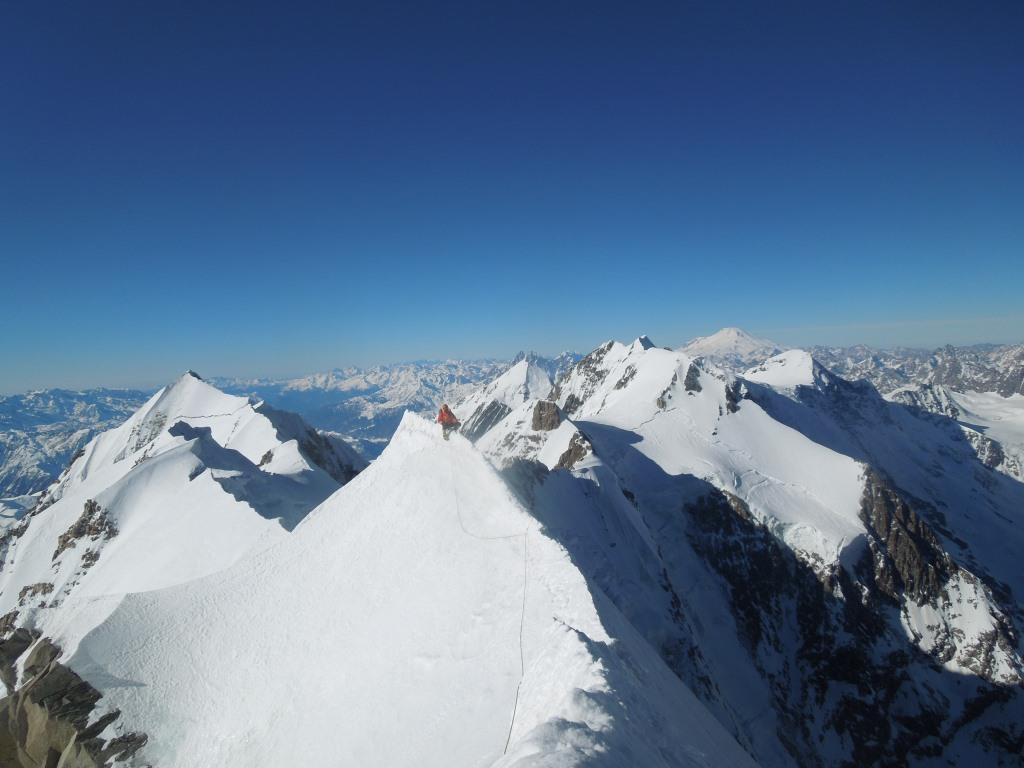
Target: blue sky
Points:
(274, 189)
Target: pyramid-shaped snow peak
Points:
(419, 617)
(486, 407)
(184, 488)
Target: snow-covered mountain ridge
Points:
(651, 562)
(40, 431)
(428, 620)
(190, 483)
(845, 540)
(365, 405)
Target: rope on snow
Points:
(522, 615)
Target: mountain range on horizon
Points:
(646, 557)
(41, 430)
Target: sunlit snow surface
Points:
(392, 628)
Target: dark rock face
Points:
(578, 449)
(733, 395)
(45, 722)
(588, 371)
(572, 403)
(627, 377)
(908, 556)
(846, 669)
(692, 381)
(545, 416)
(484, 418)
(319, 450)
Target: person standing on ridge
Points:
(447, 420)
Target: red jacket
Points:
(446, 417)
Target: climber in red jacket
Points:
(447, 420)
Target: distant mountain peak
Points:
(732, 347)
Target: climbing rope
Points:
(522, 614)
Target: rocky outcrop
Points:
(692, 381)
(733, 395)
(590, 372)
(578, 449)
(545, 416)
(33, 590)
(45, 722)
(484, 418)
(93, 525)
(627, 376)
(908, 556)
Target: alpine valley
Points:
(723, 554)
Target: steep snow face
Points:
(182, 489)
(419, 617)
(732, 348)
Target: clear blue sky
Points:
(248, 188)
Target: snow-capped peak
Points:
(732, 347)
(485, 407)
(643, 341)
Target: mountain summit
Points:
(732, 348)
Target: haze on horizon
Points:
(276, 193)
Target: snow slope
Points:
(1001, 418)
(191, 482)
(418, 617)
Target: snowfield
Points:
(185, 487)
(406, 621)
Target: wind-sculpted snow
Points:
(418, 617)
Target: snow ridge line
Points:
(522, 662)
(210, 415)
(522, 614)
